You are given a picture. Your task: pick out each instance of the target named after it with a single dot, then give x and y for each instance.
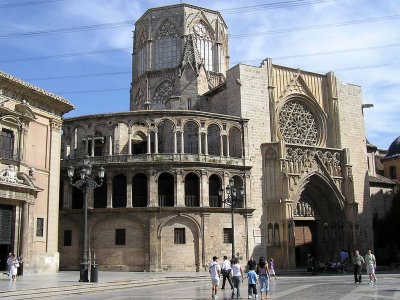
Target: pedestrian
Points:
(14, 267)
(370, 263)
(358, 262)
(215, 272)
(252, 282)
(237, 276)
(344, 256)
(251, 264)
(9, 263)
(271, 267)
(263, 273)
(226, 273)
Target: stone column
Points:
(153, 243)
(110, 150)
(152, 190)
(129, 191)
(92, 150)
(206, 144)
(205, 202)
(109, 190)
(149, 142)
(199, 142)
(182, 143)
(227, 146)
(130, 143)
(222, 145)
(156, 142)
(175, 144)
(180, 189)
(26, 241)
(53, 187)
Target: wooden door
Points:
(305, 241)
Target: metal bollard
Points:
(94, 273)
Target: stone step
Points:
(54, 292)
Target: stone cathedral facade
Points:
(293, 139)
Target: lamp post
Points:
(232, 200)
(85, 184)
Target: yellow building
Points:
(30, 139)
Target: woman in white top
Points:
(13, 267)
(237, 274)
(370, 262)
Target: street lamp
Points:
(85, 184)
(232, 200)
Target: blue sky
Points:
(90, 65)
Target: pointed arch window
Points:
(204, 44)
(166, 47)
(162, 94)
(141, 51)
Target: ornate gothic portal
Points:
(309, 193)
(318, 217)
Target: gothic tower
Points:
(179, 53)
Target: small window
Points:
(228, 235)
(67, 237)
(179, 236)
(39, 227)
(119, 236)
(392, 172)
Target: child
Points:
(271, 267)
(252, 281)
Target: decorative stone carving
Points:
(303, 160)
(297, 124)
(166, 30)
(305, 208)
(10, 175)
(162, 94)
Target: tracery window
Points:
(141, 52)
(162, 94)
(204, 43)
(166, 47)
(139, 100)
(297, 124)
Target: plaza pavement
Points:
(191, 285)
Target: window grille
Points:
(228, 235)
(6, 143)
(179, 236)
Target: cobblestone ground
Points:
(304, 287)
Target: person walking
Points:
(226, 273)
(237, 275)
(370, 262)
(251, 264)
(215, 272)
(358, 262)
(14, 267)
(264, 274)
(252, 282)
(271, 267)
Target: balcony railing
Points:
(159, 157)
(192, 201)
(165, 200)
(215, 201)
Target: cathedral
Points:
(262, 160)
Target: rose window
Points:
(297, 124)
